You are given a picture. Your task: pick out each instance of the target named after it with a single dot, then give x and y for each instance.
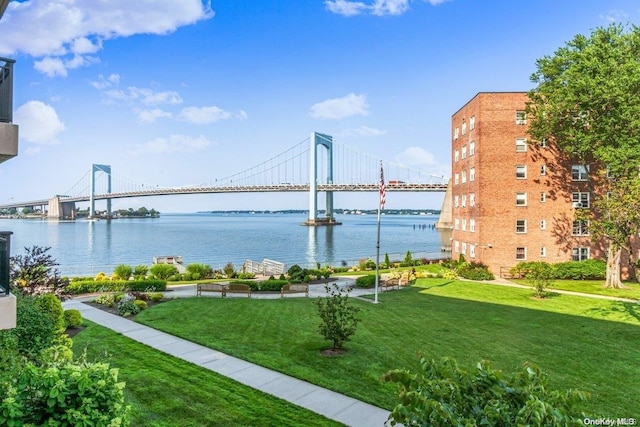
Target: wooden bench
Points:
(390, 284)
(295, 288)
(210, 287)
(237, 288)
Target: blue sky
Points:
(175, 93)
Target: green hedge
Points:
(90, 286)
(263, 285)
(367, 281)
(592, 269)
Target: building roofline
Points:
(486, 93)
(3, 6)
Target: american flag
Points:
(382, 192)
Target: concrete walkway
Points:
(330, 404)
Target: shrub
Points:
(442, 394)
(282, 277)
(370, 264)
(35, 329)
(296, 273)
(338, 315)
(155, 297)
(123, 271)
(163, 271)
(51, 305)
(90, 286)
(72, 318)
(203, 271)
(105, 299)
(70, 394)
(592, 269)
(367, 281)
(141, 304)
(475, 271)
(229, 270)
(101, 277)
(127, 306)
(36, 273)
(140, 272)
(244, 276)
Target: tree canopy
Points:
(587, 103)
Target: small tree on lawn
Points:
(339, 316)
(163, 271)
(540, 275)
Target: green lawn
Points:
(631, 291)
(582, 343)
(164, 391)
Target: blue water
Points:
(88, 247)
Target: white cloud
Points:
(615, 15)
(345, 8)
(150, 116)
(340, 108)
(174, 144)
(51, 67)
(63, 28)
(206, 115)
(363, 131)
(142, 95)
(103, 83)
(421, 159)
(39, 122)
(377, 7)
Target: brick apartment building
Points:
(513, 200)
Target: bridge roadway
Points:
(404, 187)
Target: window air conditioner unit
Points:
(576, 204)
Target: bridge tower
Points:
(99, 168)
(325, 141)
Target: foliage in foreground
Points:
(339, 320)
(89, 286)
(79, 394)
(444, 395)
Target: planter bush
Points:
(367, 281)
(72, 318)
(90, 286)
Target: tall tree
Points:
(587, 103)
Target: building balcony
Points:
(8, 131)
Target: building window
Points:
(543, 170)
(472, 225)
(543, 251)
(472, 199)
(521, 225)
(521, 199)
(457, 156)
(472, 251)
(464, 248)
(543, 224)
(472, 174)
(521, 172)
(456, 246)
(464, 224)
(580, 200)
(464, 200)
(456, 134)
(521, 117)
(579, 172)
(456, 200)
(521, 254)
(464, 151)
(580, 228)
(464, 176)
(472, 148)
(521, 145)
(464, 128)
(472, 123)
(456, 180)
(543, 143)
(580, 254)
(456, 224)
(543, 197)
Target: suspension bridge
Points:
(301, 168)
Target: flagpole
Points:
(381, 201)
